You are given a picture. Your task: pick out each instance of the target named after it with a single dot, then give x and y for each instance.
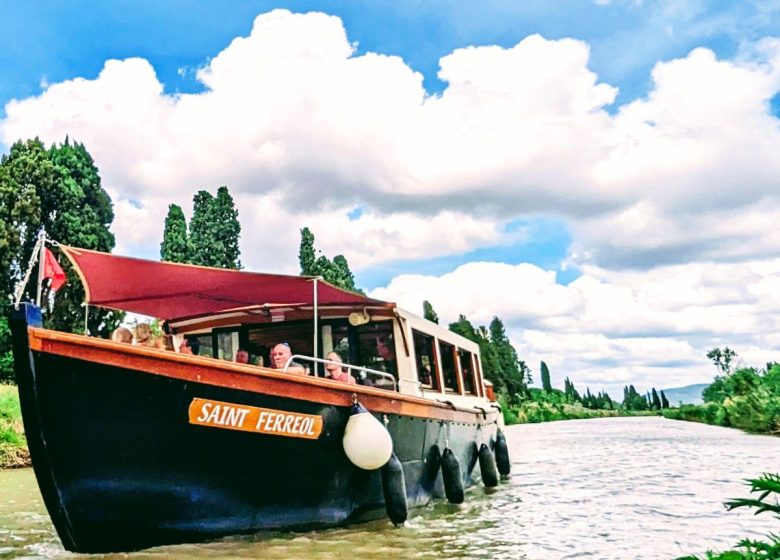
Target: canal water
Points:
(622, 488)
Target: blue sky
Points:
(605, 173)
(54, 41)
(42, 43)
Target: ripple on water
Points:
(619, 488)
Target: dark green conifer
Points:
(429, 313)
(545, 373)
(175, 246)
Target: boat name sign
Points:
(230, 416)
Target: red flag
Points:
(52, 269)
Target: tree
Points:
(78, 212)
(228, 230)
(336, 272)
(215, 230)
(511, 369)
(545, 373)
(722, 359)
(306, 254)
(664, 401)
(202, 238)
(58, 189)
(656, 400)
(429, 313)
(175, 246)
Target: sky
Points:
(601, 175)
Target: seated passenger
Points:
(123, 335)
(185, 347)
(279, 356)
(143, 335)
(242, 356)
(336, 371)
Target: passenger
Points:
(336, 371)
(279, 356)
(242, 356)
(143, 335)
(164, 342)
(194, 344)
(185, 347)
(122, 335)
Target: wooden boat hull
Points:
(122, 466)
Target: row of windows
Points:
(433, 368)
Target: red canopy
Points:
(173, 291)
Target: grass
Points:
(13, 445)
(534, 412)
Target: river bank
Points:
(534, 412)
(13, 444)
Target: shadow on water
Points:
(618, 488)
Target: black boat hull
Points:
(121, 467)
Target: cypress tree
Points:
(226, 230)
(204, 252)
(429, 313)
(175, 246)
(545, 373)
(656, 401)
(336, 272)
(664, 402)
(306, 255)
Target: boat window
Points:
(426, 361)
(447, 352)
(227, 345)
(261, 338)
(467, 371)
(376, 349)
(204, 344)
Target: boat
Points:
(134, 447)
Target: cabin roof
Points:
(173, 291)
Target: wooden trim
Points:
(200, 369)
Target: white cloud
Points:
(610, 328)
(304, 131)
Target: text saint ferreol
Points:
(232, 416)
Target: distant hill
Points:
(690, 394)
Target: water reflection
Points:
(610, 488)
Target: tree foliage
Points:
(544, 372)
(429, 313)
(722, 359)
(334, 271)
(175, 246)
(215, 230)
(500, 363)
(58, 189)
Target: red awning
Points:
(172, 291)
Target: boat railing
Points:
(359, 369)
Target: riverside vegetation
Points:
(13, 445)
(747, 398)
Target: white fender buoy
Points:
(366, 442)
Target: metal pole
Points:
(42, 243)
(316, 349)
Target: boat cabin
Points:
(227, 310)
(416, 356)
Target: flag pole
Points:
(42, 243)
(315, 325)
